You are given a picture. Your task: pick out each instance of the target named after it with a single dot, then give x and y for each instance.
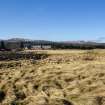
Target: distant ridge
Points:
(23, 39)
(99, 40)
(79, 44)
(18, 39)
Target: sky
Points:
(56, 20)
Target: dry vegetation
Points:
(73, 77)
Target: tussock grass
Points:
(21, 56)
(70, 78)
(2, 95)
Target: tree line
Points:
(5, 45)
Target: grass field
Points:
(65, 77)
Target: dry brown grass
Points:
(64, 78)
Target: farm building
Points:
(12, 45)
(41, 47)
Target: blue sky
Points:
(52, 19)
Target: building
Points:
(12, 45)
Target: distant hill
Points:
(18, 39)
(99, 40)
(24, 40)
(55, 45)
